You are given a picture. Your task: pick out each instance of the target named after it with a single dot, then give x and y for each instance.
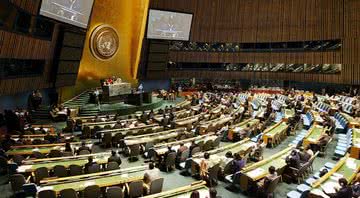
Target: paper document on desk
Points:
(256, 172)
(319, 192)
(125, 175)
(23, 168)
(329, 187)
(89, 183)
(336, 176)
(46, 188)
(350, 163)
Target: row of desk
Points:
(355, 148)
(154, 137)
(49, 163)
(43, 148)
(274, 132)
(259, 170)
(313, 135)
(160, 149)
(101, 179)
(346, 168)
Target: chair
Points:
(96, 129)
(95, 168)
(3, 165)
(300, 173)
(92, 192)
(135, 189)
(55, 153)
(156, 186)
(148, 130)
(140, 132)
(229, 168)
(272, 186)
(68, 193)
(148, 145)
(67, 154)
(201, 145)
(195, 150)
(112, 166)
(117, 139)
(114, 192)
(18, 159)
(134, 152)
(75, 170)
(86, 132)
(47, 194)
(17, 181)
(183, 137)
(60, 171)
(208, 145)
(41, 173)
(107, 140)
(38, 155)
(184, 155)
(170, 161)
(84, 152)
(213, 174)
(216, 142)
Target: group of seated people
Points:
(168, 95)
(15, 120)
(110, 81)
(238, 161)
(294, 161)
(59, 113)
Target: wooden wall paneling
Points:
(282, 20)
(260, 21)
(31, 6)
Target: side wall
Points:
(255, 21)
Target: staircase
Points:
(41, 114)
(78, 101)
(90, 110)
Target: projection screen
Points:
(75, 12)
(169, 25)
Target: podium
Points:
(116, 91)
(139, 98)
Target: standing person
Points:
(68, 148)
(97, 97)
(141, 88)
(204, 166)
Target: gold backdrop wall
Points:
(128, 17)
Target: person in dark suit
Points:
(165, 156)
(88, 164)
(83, 147)
(304, 157)
(192, 146)
(345, 191)
(170, 150)
(114, 158)
(293, 160)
